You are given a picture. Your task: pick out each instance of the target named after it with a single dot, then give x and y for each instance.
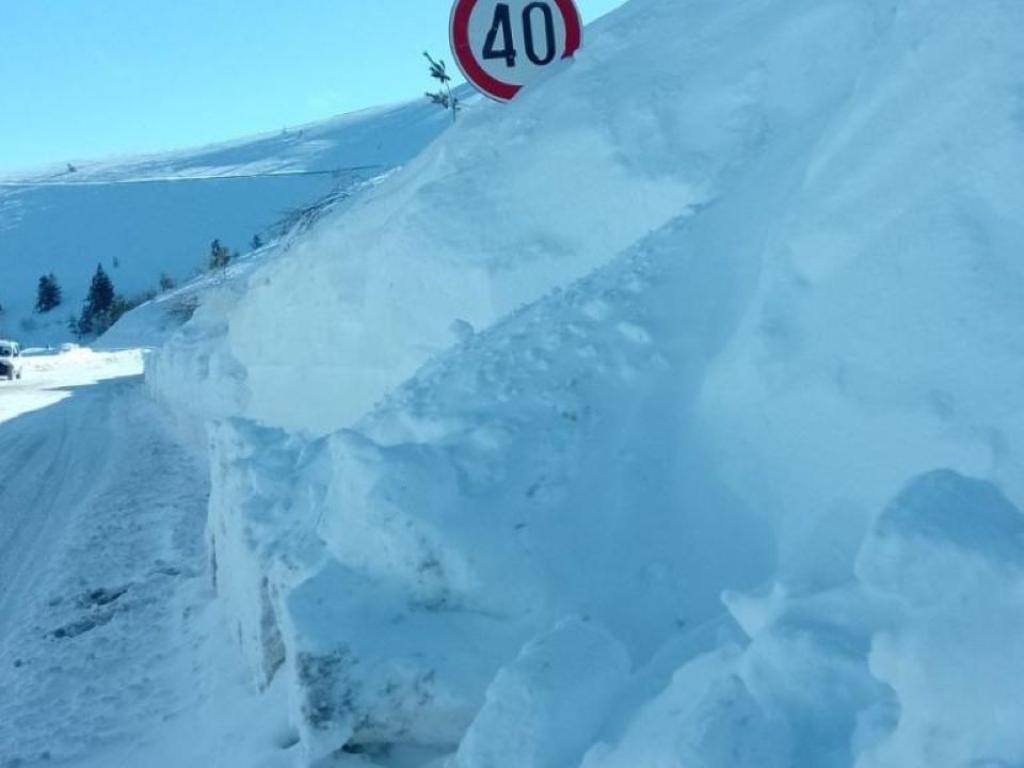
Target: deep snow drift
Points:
(669, 416)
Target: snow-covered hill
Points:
(141, 217)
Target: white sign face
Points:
(501, 46)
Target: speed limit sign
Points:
(503, 45)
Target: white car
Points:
(10, 360)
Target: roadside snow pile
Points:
(739, 485)
(519, 199)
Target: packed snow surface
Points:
(112, 650)
(51, 377)
(669, 416)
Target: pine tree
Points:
(256, 243)
(97, 309)
(220, 256)
(443, 97)
(48, 294)
(166, 282)
(101, 294)
(84, 326)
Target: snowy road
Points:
(51, 378)
(110, 644)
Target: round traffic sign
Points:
(503, 45)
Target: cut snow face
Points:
(668, 416)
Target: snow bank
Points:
(949, 551)
(882, 338)
(907, 666)
(715, 350)
(545, 707)
(516, 200)
(189, 372)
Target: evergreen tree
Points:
(84, 326)
(101, 294)
(98, 304)
(220, 256)
(256, 243)
(443, 97)
(166, 282)
(48, 294)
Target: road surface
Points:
(112, 651)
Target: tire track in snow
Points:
(100, 553)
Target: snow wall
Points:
(668, 416)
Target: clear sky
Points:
(87, 78)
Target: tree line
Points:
(104, 306)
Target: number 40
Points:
(502, 25)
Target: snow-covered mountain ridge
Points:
(668, 416)
(143, 217)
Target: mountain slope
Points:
(141, 217)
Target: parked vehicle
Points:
(10, 360)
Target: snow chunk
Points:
(368, 671)
(544, 709)
(943, 509)
(706, 716)
(950, 550)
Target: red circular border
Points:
(476, 74)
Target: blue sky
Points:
(89, 78)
